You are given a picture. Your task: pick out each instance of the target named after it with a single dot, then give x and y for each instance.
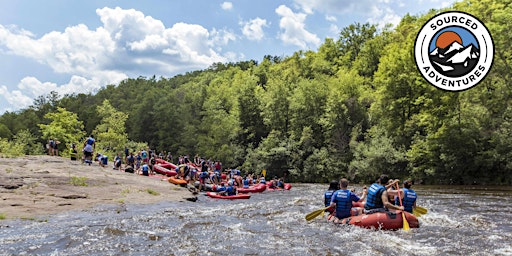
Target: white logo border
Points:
(422, 45)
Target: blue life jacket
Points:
(343, 203)
(246, 183)
(328, 197)
(230, 191)
(204, 175)
(408, 200)
(374, 197)
(145, 168)
(90, 141)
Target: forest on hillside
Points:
(356, 107)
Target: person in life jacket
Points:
(378, 196)
(246, 181)
(145, 169)
(230, 189)
(89, 147)
(333, 186)
(342, 200)
(408, 195)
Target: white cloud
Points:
(383, 17)
(226, 6)
(293, 31)
(128, 43)
(331, 18)
(253, 29)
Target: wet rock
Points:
(191, 199)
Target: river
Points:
(460, 221)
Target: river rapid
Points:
(460, 221)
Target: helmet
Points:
(230, 183)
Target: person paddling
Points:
(333, 186)
(342, 200)
(377, 199)
(408, 196)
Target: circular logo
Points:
(454, 51)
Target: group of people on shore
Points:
(201, 173)
(382, 195)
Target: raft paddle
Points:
(405, 223)
(416, 212)
(420, 210)
(316, 213)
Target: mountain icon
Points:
(455, 60)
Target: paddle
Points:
(420, 210)
(416, 212)
(405, 223)
(316, 213)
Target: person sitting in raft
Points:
(333, 186)
(220, 188)
(262, 180)
(273, 183)
(230, 190)
(246, 182)
(408, 197)
(280, 183)
(342, 201)
(378, 198)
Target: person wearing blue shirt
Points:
(378, 196)
(88, 149)
(333, 186)
(230, 190)
(342, 200)
(408, 195)
(145, 169)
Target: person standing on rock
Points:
(89, 147)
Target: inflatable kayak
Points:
(388, 220)
(164, 171)
(239, 196)
(177, 181)
(258, 188)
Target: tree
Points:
(64, 127)
(111, 132)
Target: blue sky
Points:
(82, 45)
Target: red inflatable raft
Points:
(239, 196)
(389, 220)
(164, 171)
(287, 186)
(258, 188)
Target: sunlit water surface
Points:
(460, 221)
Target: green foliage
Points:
(29, 143)
(64, 128)
(111, 132)
(152, 192)
(11, 148)
(357, 108)
(78, 181)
